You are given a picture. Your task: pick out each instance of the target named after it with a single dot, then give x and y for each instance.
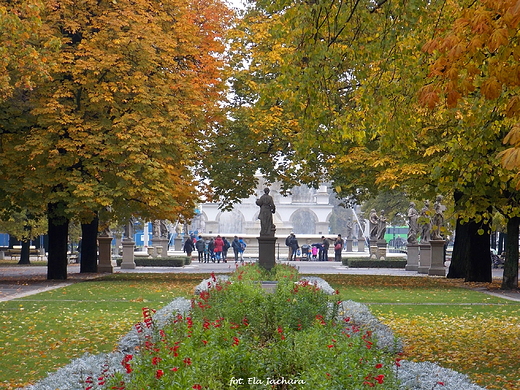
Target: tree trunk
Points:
(510, 278)
(460, 255)
(89, 232)
(25, 255)
(479, 261)
(58, 242)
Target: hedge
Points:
(373, 263)
(170, 261)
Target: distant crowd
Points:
(215, 249)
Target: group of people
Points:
(215, 249)
(319, 251)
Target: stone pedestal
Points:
(412, 260)
(128, 254)
(105, 255)
(437, 258)
(373, 248)
(266, 252)
(361, 245)
(348, 243)
(160, 247)
(381, 249)
(425, 258)
(177, 243)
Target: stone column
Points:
(373, 248)
(425, 259)
(156, 244)
(412, 261)
(163, 243)
(266, 252)
(381, 249)
(105, 255)
(348, 242)
(361, 245)
(177, 242)
(128, 254)
(437, 258)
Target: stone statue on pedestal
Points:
(425, 221)
(267, 209)
(348, 236)
(381, 226)
(373, 224)
(413, 226)
(438, 219)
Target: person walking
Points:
(211, 250)
(338, 247)
(235, 244)
(242, 249)
(188, 247)
(200, 245)
(225, 249)
(294, 247)
(326, 244)
(219, 247)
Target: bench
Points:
(16, 251)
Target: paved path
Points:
(21, 281)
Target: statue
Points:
(438, 219)
(381, 226)
(156, 228)
(361, 231)
(424, 221)
(267, 209)
(413, 226)
(349, 229)
(129, 229)
(163, 229)
(373, 220)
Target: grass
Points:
(439, 320)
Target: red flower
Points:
(174, 369)
(159, 373)
(197, 387)
(440, 383)
(380, 378)
(156, 360)
(187, 361)
(379, 365)
(397, 362)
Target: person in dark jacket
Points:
(188, 246)
(235, 244)
(200, 245)
(294, 247)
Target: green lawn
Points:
(440, 321)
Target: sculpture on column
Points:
(129, 229)
(373, 224)
(163, 228)
(424, 221)
(438, 219)
(413, 226)
(348, 236)
(156, 228)
(267, 209)
(381, 226)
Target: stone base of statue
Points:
(437, 258)
(177, 242)
(266, 252)
(381, 249)
(160, 247)
(128, 254)
(373, 248)
(348, 244)
(425, 259)
(412, 258)
(105, 255)
(361, 245)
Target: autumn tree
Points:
(329, 91)
(116, 128)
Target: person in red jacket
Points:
(219, 247)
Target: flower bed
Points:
(234, 335)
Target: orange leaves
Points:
(491, 88)
(499, 37)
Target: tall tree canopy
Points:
(134, 85)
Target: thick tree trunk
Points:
(479, 262)
(89, 232)
(58, 242)
(25, 255)
(510, 278)
(459, 258)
